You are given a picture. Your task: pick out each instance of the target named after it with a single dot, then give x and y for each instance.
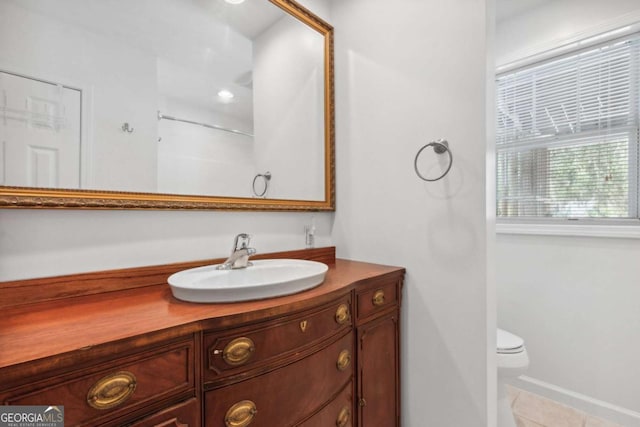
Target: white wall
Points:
(41, 243)
(574, 300)
(407, 74)
(556, 22)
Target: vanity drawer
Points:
(100, 394)
(287, 395)
(376, 298)
(245, 348)
(184, 414)
(339, 412)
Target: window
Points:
(567, 135)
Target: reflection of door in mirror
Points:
(39, 133)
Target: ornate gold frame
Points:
(45, 198)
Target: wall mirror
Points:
(165, 104)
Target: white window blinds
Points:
(567, 135)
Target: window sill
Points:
(578, 230)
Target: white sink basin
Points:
(264, 279)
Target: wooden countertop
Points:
(48, 328)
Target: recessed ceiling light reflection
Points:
(234, 1)
(225, 94)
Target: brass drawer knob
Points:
(343, 417)
(344, 360)
(378, 298)
(342, 314)
(241, 414)
(238, 351)
(112, 390)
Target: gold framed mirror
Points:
(158, 181)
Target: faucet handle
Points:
(243, 240)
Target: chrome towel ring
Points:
(266, 177)
(440, 146)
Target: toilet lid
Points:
(508, 342)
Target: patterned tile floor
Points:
(531, 410)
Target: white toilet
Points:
(513, 361)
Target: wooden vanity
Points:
(116, 348)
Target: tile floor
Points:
(531, 410)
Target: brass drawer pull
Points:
(241, 414)
(343, 417)
(378, 298)
(342, 314)
(344, 360)
(112, 390)
(238, 351)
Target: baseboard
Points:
(581, 402)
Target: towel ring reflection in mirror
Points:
(266, 177)
(440, 146)
(127, 128)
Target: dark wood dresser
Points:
(116, 348)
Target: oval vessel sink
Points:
(264, 279)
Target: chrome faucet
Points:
(240, 254)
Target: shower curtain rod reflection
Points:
(216, 127)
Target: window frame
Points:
(566, 226)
